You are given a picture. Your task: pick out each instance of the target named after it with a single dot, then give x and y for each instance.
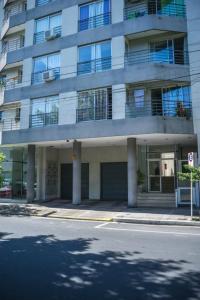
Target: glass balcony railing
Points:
(159, 107)
(43, 119)
(153, 8)
(100, 112)
(93, 66)
(94, 22)
(40, 37)
(165, 55)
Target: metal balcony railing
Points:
(38, 76)
(153, 8)
(13, 83)
(10, 124)
(94, 66)
(44, 119)
(162, 55)
(15, 9)
(13, 45)
(94, 22)
(100, 112)
(159, 107)
(39, 37)
(42, 2)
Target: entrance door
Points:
(67, 181)
(154, 175)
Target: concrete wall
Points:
(193, 20)
(67, 108)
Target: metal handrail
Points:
(43, 2)
(39, 37)
(94, 22)
(43, 119)
(10, 124)
(158, 107)
(93, 66)
(152, 8)
(100, 112)
(37, 77)
(158, 55)
(13, 83)
(13, 45)
(18, 9)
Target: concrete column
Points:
(25, 113)
(118, 51)
(70, 20)
(31, 173)
(76, 173)
(29, 33)
(132, 172)
(67, 108)
(69, 60)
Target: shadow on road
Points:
(42, 267)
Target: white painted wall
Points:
(70, 20)
(67, 108)
(118, 50)
(117, 7)
(69, 62)
(25, 113)
(27, 71)
(30, 4)
(118, 101)
(29, 32)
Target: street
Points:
(43, 258)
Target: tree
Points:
(187, 174)
(2, 159)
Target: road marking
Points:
(145, 231)
(102, 225)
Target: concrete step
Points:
(156, 200)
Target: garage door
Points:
(114, 184)
(67, 181)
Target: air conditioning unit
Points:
(49, 76)
(51, 34)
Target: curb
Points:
(157, 222)
(81, 218)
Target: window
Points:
(94, 105)
(139, 98)
(44, 111)
(94, 14)
(46, 63)
(94, 58)
(52, 23)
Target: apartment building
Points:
(96, 99)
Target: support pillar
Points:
(31, 173)
(76, 173)
(132, 172)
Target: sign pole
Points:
(191, 196)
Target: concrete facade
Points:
(103, 116)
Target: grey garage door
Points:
(67, 181)
(114, 184)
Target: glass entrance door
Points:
(154, 175)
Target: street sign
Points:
(191, 159)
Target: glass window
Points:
(42, 24)
(94, 14)
(40, 64)
(139, 98)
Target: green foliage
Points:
(2, 159)
(140, 177)
(187, 174)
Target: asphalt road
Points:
(57, 259)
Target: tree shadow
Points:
(43, 267)
(17, 209)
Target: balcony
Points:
(13, 45)
(10, 124)
(94, 22)
(152, 7)
(38, 77)
(43, 119)
(42, 2)
(164, 56)
(94, 113)
(14, 9)
(159, 107)
(93, 66)
(40, 37)
(13, 83)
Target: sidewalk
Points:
(105, 211)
